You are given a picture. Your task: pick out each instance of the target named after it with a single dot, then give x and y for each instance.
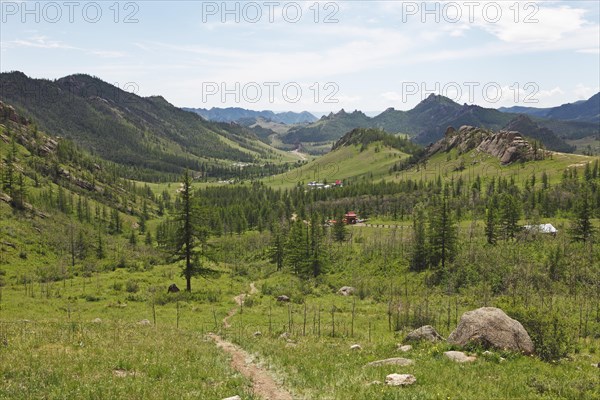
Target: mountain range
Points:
(583, 111)
(427, 122)
(248, 117)
(146, 133)
(149, 136)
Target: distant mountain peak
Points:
(248, 117)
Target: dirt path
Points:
(239, 300)
(301, 156)
(263, 383)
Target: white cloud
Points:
(392, 96)
(40, 42)
(589, 51)
(583, 92)
(44, 42)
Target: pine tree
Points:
(444, 235)
(418, 260)
(491, 223)
(317, 254)
(100, 247)
(295, 255)
(144, 217)
(510, 213)
(19, 193)
(277, 247)
(340, 232)
(115, 225)
(133, 238)
(186, 239)
(582, 228)
(8, 178)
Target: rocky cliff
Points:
(508, 146)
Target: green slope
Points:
(144, 133)
(377, 161)
(348, 162)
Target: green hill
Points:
(378, 156)
(147, 134)
(360, 154)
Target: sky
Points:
(318, 56)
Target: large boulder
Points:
(427, 333)
(490, 327)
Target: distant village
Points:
(320, 185)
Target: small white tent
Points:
(543, 228)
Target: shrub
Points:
(249, 301)
(548, 331)
(134, 298)
(132, 286)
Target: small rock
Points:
(356, 347)
(402, 362)
(283, 298)
(405, 348)
(426, 332)
(459, 356)
(400, 379)
(97, 321)
(145, 322)
(121, 373)
(595, 365)
(290, 344)
(346, 291)
(284, 335)
(257, 333)
(374, 383)
(173, 288)
(236, 397)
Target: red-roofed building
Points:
(350, 217)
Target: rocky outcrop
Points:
(491, 328)
(506, 145)
(8, 112)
